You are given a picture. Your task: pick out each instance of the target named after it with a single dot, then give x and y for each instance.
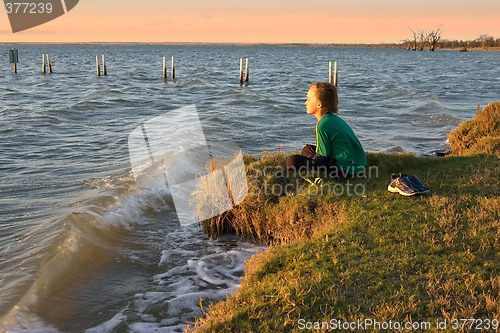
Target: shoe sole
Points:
(396, 190)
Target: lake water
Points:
(82, 249)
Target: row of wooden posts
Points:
(332, 75)
(245, 78)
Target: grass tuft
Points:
(478, 135)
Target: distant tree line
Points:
(432, 40)
(483, 42)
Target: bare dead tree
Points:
(422, 39)
(408, 43)
(414, 40)
(433, 38)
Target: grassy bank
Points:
(478, 135)
(349, 250)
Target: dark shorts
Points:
(310, 160)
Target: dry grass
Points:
(278, 207)
(479, 135)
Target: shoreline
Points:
(348, 45)
(491, 49)
(318, 45)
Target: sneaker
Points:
(418, 185)
(402, 185)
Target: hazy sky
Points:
(278, 21)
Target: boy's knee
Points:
(308, 150)
(291, 162)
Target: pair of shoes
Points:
(407, 185)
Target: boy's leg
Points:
(299, 162)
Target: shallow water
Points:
(83, 249)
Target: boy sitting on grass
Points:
(337, 150)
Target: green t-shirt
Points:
(334, 138)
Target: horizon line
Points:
(206, 43)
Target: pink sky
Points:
(266, 21)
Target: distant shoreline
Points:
(338, 45)
(360, 45)
(494, 49)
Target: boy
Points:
(337, 149)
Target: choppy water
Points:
(82, 249)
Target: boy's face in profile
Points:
(312, 103)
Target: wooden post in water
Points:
(13, 59)
(246, 70)
(241, 70)
(335, 75)
(48, 64)
(43, 64)
(173, 68)
(104, 71)
(97, 65)
(330, 72)
(164, 70)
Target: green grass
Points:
(378, 255)
(349, 250)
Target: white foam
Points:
(130, 210)
(109, 325)
(143, 301)
(195, 268)
(155, 328)
(167, 254)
